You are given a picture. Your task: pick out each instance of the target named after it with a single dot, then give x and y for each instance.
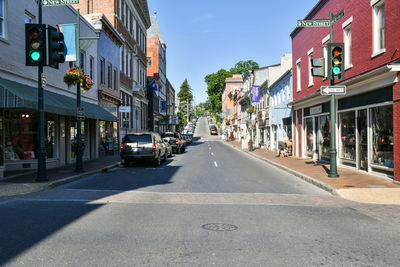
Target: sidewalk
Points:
(23, 183)
(351, 184)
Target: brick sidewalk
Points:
(351, 184)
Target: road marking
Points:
(212, 153)
(209, 148)
(215, 163)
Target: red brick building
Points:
(368, 116)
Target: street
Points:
(212, 205)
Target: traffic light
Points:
(336, 60)
(318, 67)
(35, 44)
(56, 47)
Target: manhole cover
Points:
(219, 227)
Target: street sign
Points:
(338, 16)
(314, 23)
(80, 113)
(333, 90)
(59, 2)
(44, 82)
(124, 108)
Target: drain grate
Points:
(219, 227)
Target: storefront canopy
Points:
(17, 95)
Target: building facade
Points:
(368, 115)
(19, 135)
(230, 93)
(131, 20)
(157, 70)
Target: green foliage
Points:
(243, 67)
(185, 94)
(215, 84)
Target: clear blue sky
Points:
(203, 36)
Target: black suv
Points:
(143, 147)
(175, 140)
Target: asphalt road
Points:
(210, 206)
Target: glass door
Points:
(362, 142)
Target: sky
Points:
(203, 36)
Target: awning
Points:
(17, 95)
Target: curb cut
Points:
(300, 175)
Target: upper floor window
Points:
(347, 45)
(82, 61)
(298, 75)
(378, 26)
(325, 42)
(120, 9)
(115, 80)
(2, 18)
(310, 77)
(91, 63)
(29, 18)
(102, 71)
(109, 75)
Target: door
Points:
(362, 140)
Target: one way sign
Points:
(333, 90)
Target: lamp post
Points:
(250, 124)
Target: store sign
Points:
(125, 109)
(316, 110)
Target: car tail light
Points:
(154, 147)
(177, 141)
(122, 146)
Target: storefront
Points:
(19, 131)
(316, 132)
(366, 131)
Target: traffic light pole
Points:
(250, 123)
(41, 168)
(79, 162)
(333, 152)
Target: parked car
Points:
(143, 147)
(168, 147)
(175, 140)
(213, 130)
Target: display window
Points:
(21, 136)
(382, 135)
(73, 137)
(108, 137)
(308, 131)
(324, 137)
(347, 135)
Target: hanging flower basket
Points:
(86, 83)
(251, 110)
(73, 76)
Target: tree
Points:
(243, 67)
(185, 94)
(215, 85)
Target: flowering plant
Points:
(251, 109)
(75, 75)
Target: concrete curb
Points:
(300, 175)
(76, 177)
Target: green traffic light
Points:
(336, 70)
(35, 55)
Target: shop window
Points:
(73, 135)
(382, 135)
(308, 131)
(108, 137)
(347, 136)
(324, 138)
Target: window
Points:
(109, 75)
(347, 43)
(148, 61)
(134, 27)
(298, 75)
(288, 92)
(310, 77)
(120, 9)
(91, 62)
(102, 71)
(382, 135)
(115, 79)
(379, 27)
(2, 16)
(29, 18)
(82, 59)
(325, 42)
(283, 96)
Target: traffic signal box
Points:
(55, 47)
(318, 67)
(336, 61)
(35, 44)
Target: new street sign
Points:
(314, 23)
(59, 2)
(333, 90)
